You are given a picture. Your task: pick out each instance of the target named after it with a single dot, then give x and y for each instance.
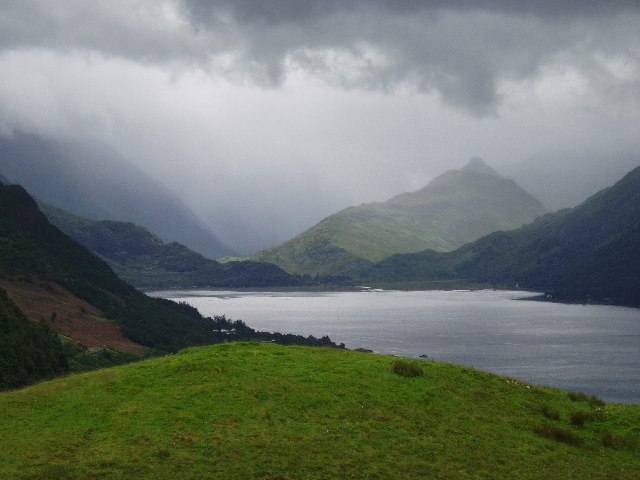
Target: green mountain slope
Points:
(96, 182)
(453, 209)
(145, 261)
(591, 252)
(240, 411)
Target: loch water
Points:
(589, 348)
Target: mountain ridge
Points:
(145, 261)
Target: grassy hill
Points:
(453, 209)
(96, 182)
(589, 253)
(145, 261)
(247, 410)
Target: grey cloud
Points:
(463, 50)
(276, 12)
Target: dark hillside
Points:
(31, 248)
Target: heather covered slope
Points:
(96, 182)
(145, 261)
(589, 253)
(249, 410)
(453, 209)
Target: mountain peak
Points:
(477, 165)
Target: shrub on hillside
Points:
(407, 369)
(558, 434)
(592, 400)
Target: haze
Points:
(267, 116)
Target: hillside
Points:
(54, 280)
(453, 209)
(589, 253)
(145, 261)
(240, 411)
(94, 181)
(35, 253)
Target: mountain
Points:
(564, 179)
(453, 209)
(145, 261)
(94, 181)
(588, 253)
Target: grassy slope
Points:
(265, 411)
(145, 261)
(455, 208)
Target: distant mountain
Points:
(94, 181)
(453, 209)
(145, 261)
(589, 253)
(564, 179)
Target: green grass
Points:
(249, 410)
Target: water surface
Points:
(594, 349)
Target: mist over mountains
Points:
(94, 181)
(566, 178)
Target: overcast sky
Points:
(266, 116)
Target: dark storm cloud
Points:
(461, 49)
(308, 11)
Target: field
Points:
(249, 410)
